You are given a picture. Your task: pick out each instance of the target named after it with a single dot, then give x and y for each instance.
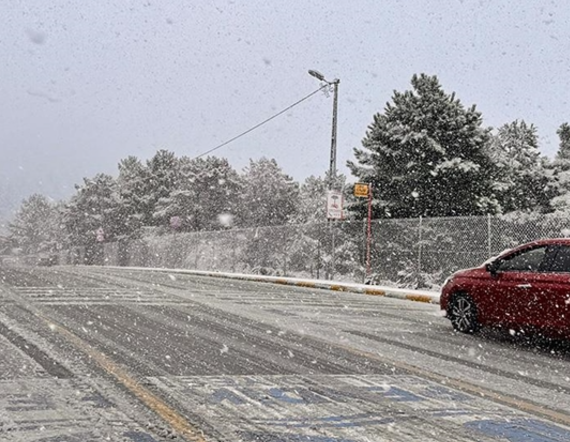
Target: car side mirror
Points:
(492, 267)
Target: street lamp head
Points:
(317, 75)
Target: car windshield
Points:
(265, 221)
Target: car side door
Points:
(553, 307)
(517, 285)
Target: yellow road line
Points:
(178, 422)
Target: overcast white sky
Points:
(86, 83)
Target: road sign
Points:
(335, 204)
(361, 190)
(175, 222)
(100, 234)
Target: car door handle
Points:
(524, 286)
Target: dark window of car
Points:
(561, 261)
(524, 261)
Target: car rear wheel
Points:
(463, 314)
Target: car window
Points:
(525, 261)
(561, 261)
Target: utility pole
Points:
(332, 166)
(334, 84)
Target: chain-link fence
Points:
(301, 250)
(418, 252)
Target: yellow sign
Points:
(361, 190)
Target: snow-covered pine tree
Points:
(425, 155)
(132, 188)
(217, 188)
(561, 170)
(564, 136)
(522, 181)
(96, 205)
(270, 197)
(35, 227)
(207, 195)
(163, 178)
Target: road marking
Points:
(511, 401)
(178, 422)
(501, 398)
(353, 407)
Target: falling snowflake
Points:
(226, 219)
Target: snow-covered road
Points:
(125, 355)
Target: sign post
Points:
(335, 211)
(369, 236)
(363, 190)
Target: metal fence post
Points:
(420, 246)
(364, 240)
(489, 245)
(234, 253)
(319, 253)
(285, 251)
(333, 251)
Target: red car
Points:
(526, 288)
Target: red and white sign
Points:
(100, 234)
(175, 222)
(335, 203)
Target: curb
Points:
(373, 290)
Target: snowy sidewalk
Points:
(376, 290)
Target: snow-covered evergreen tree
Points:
(36, 225)
(561, 170)
(133, 187)
(269, 197)
(425, 155)
(522, 181)
(163, 171)
(207, 195)
(95, 210)
(564, 135)
(312, 200)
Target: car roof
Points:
(543, 242)
(565, 241)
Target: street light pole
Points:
(332, 166)
(334, 83)
(332, 170)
